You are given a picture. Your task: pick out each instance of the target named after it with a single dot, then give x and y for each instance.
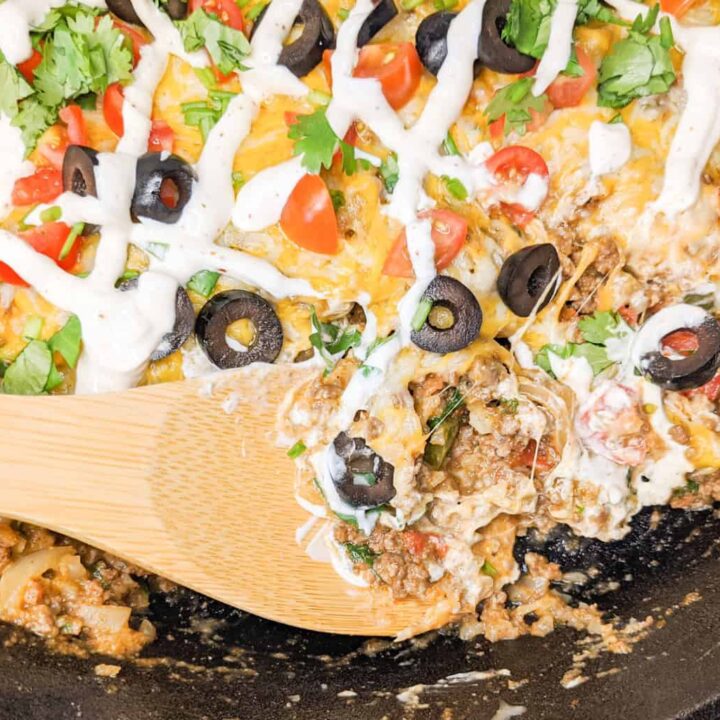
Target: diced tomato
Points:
(27, 67)
(566, 91)
(711, 390)
(417, 542)
(327, 66)
(449, 232)
(537, 120)
(684, 342)
(226, 10)
(396, 65)
(43, 186)
(113, 108)
(526, 457)
(676, 7)
(162, 137)
(53, 144)
(290, 117)
(136, 38)
(629, 315)
(72, 116)
(514, 164)
(308, 217)
(48, 239)
(169, 194)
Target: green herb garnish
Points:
(203, 282)
(297, 450)
(390, 172)
(515, 102)
(227, 47)
(360, 554)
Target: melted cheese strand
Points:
(559, 49)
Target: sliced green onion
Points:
(489, 569)
(254, 11)
(51, 214)
(455, 188)
(203, 282)
(666, 33)
(75, 232)
(297, 450)
(317, 97)
(411, 4)
(449, 145)
(421, 314)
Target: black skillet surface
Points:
(219, 664)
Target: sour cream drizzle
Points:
(559, 49)
(698, 131)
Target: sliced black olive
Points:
(184, 321)
(78, 171)
(177, 9)
(431, 40)
(525, 276)
(125, 11)
(228, 307)
(683, 373)
(454, 320)
(154, 172)
(384, 12)
(366, 479)
(493, 51)
(318, 34)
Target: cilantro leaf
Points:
(637, 66)
(514, 102)
(390, 172)
(599, 327)
(227, 47)
(66, 341)
(315, 140)
(596, 355)
(13, 89)
(330, 341)
(29, 373)
(360, 554)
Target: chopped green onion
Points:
(666, 33)
(255, 10)
(159, 250)
(203, 282)
(297, 450)
(127, 275)
(411, 4)
(421, 314)
(449, 145)
(75, 232)
(455, 187)
(51, 214)
(33, 327)
(317, 97)
(489, 569)
(343, 13)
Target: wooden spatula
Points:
(165, 477)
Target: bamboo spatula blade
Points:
(188, 481)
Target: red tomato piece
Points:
(162, 137)
(527, 457)
(327, 65)
(9, 276)
(113, 108)
(42, 186)
(711, 390)
(676, 7)
(684, 342)
(568, 91)
(396, 65)
(629, 315)
(226, 10)
(449, 232)
(72, 116)
(514, 164)
(53, 144)
(308, 218)
(27, 67)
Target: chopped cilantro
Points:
(315, 140)
(515, 102)
(297, 450)
(637, 66)
(600, 327)
(390, 172)
(203, 282)
(456, 400)
(29, 373)
(330, 341)
(360, 554)
(66, 341)
(228, 47)
(596, 355)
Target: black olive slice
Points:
(683, 373)
(383, 13)
(525, 276)
(366, 479)
(228, 307)
(184, 321)
(461, 322)
(154, 171)
(431, 40)
(125, 11)
(177, 9)
(318, 34)
(493, 51)
(78, 170)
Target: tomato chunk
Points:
(48, 239)
(53, 144)
(513, 165)
(527, 457)
(449, 232)
(676, 7)
(113, 108)
(684, 342)
(162, 137)
(396, 66)
(72, 116)
(308, 218)
(711, 390)
(568, 91)
(27, 67)
(42, 186)
(226, 10)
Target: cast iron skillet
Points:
(221, 664)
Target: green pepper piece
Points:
(441, 441)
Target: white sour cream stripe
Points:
(559, 49)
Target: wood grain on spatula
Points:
(163, 477)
